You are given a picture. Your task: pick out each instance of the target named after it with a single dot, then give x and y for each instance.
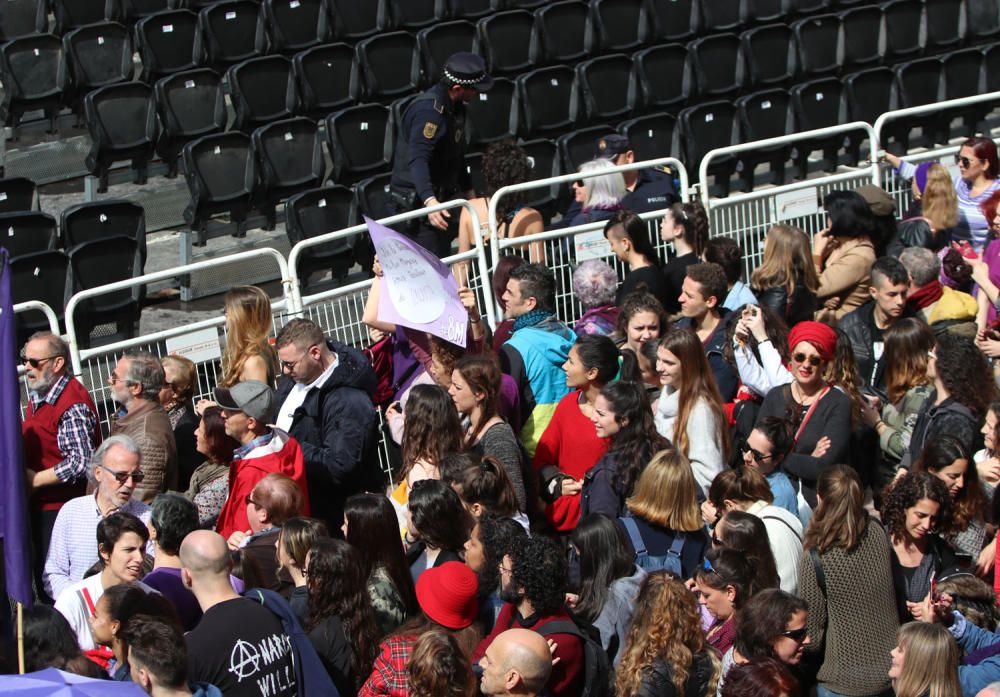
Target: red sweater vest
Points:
(41, 451)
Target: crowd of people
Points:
(708, 485)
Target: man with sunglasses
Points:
(59, 433)
(116, 472)
(865, 327)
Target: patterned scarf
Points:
(530, 319)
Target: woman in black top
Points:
(786, 279)
(686, 225)
(628, 235)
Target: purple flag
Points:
(418, 290)
(13, 506)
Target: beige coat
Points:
(844, 277)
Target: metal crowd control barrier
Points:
(94, 366)
(338, 311)
(935, 108)
(39, 306)
(560, 253)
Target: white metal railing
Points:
(39, 306)
(936, 107)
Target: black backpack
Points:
(597, 674)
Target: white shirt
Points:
(298, 394)
(72, 604)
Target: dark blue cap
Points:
(468, 70)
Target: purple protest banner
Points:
(418, 290)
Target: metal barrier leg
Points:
(90, 183)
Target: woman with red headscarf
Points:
(819, 411)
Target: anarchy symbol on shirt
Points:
(244, 660)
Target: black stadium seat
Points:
(99, 220)
(543, 155)
(818, 104)
(717, 65)
(98, 55)
(722, 15)
(494, 115)
(983, 19)
(762, 11)
(131, 11)
(317, 212)
(623, 25)
(991, 66)
(97, 263)
(436, 44)
(473, 9)
(221, 175)
(945, 24)
(27, 232)
(903, 21)
(166, 43)
(289, 160)
(770, 54)
(122, 123)
(651, 136)
(862, 36)
(352, 20)
(70, 14)
(360, 139)
(373, 196)
(41, 276)
(869, 94)
(190, 105)
(819, 45)
(566, 31)
(549, 99)
(295, 25)
(763, 115)
(34, 75)
(390, 65)
(22, 18)
(962, 76)
(703, 128)
(677, 20)
(416, 14)
(231, 32)
(808, 7)
(577, 147)
(328, 79)
(664, 76)
(607, 87)
(18, 194)
(918, 83)
(509, 42)
(262, 90)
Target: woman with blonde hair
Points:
(248, 354)
(666, 652)
(786, 280)
(663, 511)
(934, 212)
(925, 662)
(180, 380)
(846, 578)
(689, 412)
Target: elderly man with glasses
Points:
(60, 431)
(116, 473)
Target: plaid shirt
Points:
(74, 435)
(389, 671)
(241, 452)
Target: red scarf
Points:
(926, 295)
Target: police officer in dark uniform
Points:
(429, 165)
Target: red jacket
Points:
(567, 675)
(281, 454)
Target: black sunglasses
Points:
(757, 455)
(796, 634)
(579, 182)
(964, 161)
(36, 362)
(122, 477)
(802, 358)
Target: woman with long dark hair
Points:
(686, 226)
(628, 236)
(341, 623)
(771, 625)
(786, 280)
(298, 535)
(844, 252)
(439, 525)
(689, 412)
(114, 609)
(622, 414)
(370, 526)
(746, 533)
(725, 582)
(483, 485)
(609, 580)
(475, 390)
(49, 642)
(570, 446)
(846, 578)
(666, 652)
(209, 485)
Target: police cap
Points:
(468, 70)
(611, 146)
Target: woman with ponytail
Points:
(686, 225)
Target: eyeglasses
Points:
(36, 362)
(964, 161)
(797, 635)
(802, 358)
(290, 365)
(122, 477)
(248, 499)
(757, 455)
(580, 183)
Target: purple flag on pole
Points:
(13, 505)
(418, 290)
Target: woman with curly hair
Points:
(370, 525)
(689, 412)
(724, 583)
(963, 390)
(248, 354)
(628, 236)
(786, 280)
(594, 284)
(504, 163)
(475, 391)
(947, 459)
(686, 226)
(846, 578)
(913, 509)
(764, 676)
(623, 415)
(438, 668)
(665, 654)
(340, 623)
(570, 446)
(642, 319)
(491, 539)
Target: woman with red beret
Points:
(819, 411)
